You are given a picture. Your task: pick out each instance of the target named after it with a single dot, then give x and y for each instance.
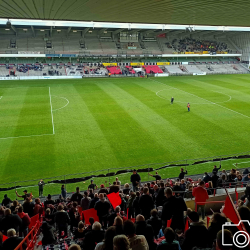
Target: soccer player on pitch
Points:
(188, 106)
(172, 100)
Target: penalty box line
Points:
(28, 136)
(203, 99)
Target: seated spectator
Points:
(189, 193)
(142, 228)
(93, 237)
(10, 221)
(246, 179)
(169, 242)
(107, 243)
(112, 216)
(126, 189)
(118, 224)
(155, 222)
(217, 221)
(79, 232)
(13, 240)
(245, 172)
(6, 201)
(77, 196)
(85, 201)
(23, 230)
(136, 241)
(146, 203)
(196, 235)
(28, 207)
(121, 242)
(206, 177)
(222, 182)
(48, 234)
(209, 187)
(93, 201)
(224, 237)
(62, 220)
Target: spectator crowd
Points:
(150, 216)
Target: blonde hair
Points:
(121, 242)
(118, 221)
(126, 185)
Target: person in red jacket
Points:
(201, 195)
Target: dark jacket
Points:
(102, 208)
(214, 180)
(12, 242)
(195, 236)
(10, 221)
(91, 238)
(93, 202)
(136, 206)
(114, 189)
(182, 175)
(135, 178)
(215, 170)
(156, 224)
(28, 207)
(207, 178)
(6, 201)
(160, 198)
(77, 197)
(213, 229)
(146, 204)
(174, 208)
(142, 228)
(62, 218)
(48, 234)
(85, 203)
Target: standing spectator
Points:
(10, 221)
(118, 224)
(62, 220)
(160, 198)
(182, 174)
(130, 205)
(85, 202)
(94, 236)
(23, 230)
(215, 179)
(114, 188)
(146, 203)
(155, 222)
(91, 194)
(77, 196)
(6, 201)
(40, 186)
(206, 177)
(142, 228)
(196, 235)
(126, 189)
(107, 243)
(38, 208)
(63, 192)
(201, 195)
(169, 242)
(49, 202)
(136, 241)
(13, 240)
(136, 206)
(25, 195)
(93, 201)
(102, 207)
(117, 181)
(173, 208)
(102, 190)
(121, 242)
(156, 176)
(215, 170)
(28, 207)
(135, 180)
(48, 234)
(92, 185)
(112, 216)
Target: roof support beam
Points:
(85, 31)
(69, 29)
(133, 31)
(101, 31)
(33, 31)
(117, 31)
(14, 29)
(51, 31)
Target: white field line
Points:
(194, 102)
(24, 136)
(0, 97)
(51, 110)
(64, 105)
(205, 100)
(234, 164)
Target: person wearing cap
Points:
(103, 190)
(92, 185)
(40, 185)
(25, 195)
(135, 179)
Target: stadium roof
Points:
(208, 12)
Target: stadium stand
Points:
(67, 221)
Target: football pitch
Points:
(52, 128)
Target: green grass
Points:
(119, 122)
